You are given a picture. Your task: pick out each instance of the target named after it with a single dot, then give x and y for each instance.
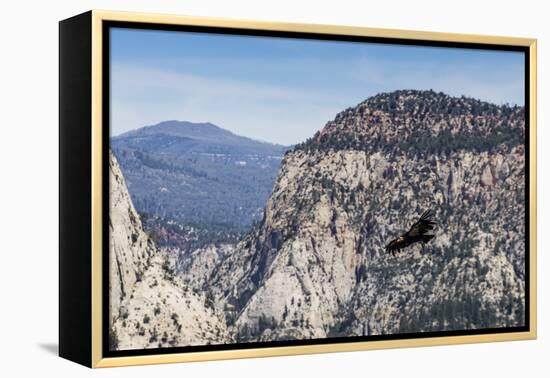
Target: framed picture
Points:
(235, 189)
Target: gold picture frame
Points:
(86, 32)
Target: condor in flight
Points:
(417, 233)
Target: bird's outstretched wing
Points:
(394, 246)
(422, 226)
(417, 233)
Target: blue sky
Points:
(283, 90)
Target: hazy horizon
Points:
(195, 123)
(281, 90)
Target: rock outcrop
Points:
(315, 267)
(130, 248)
(150, 306)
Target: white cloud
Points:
(142, 96)
(286, 113)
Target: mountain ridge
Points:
(314, 266)
(205, 131)
(399, 121)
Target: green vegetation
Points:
(407, 122)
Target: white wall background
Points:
(29, 189)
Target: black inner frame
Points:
(106, 27)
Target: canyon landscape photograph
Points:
(267, 190)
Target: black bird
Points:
(417, 233)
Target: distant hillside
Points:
(196, 182)
(176, 137)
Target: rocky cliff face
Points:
(149, 305)
(130, 248)
(315, 266)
